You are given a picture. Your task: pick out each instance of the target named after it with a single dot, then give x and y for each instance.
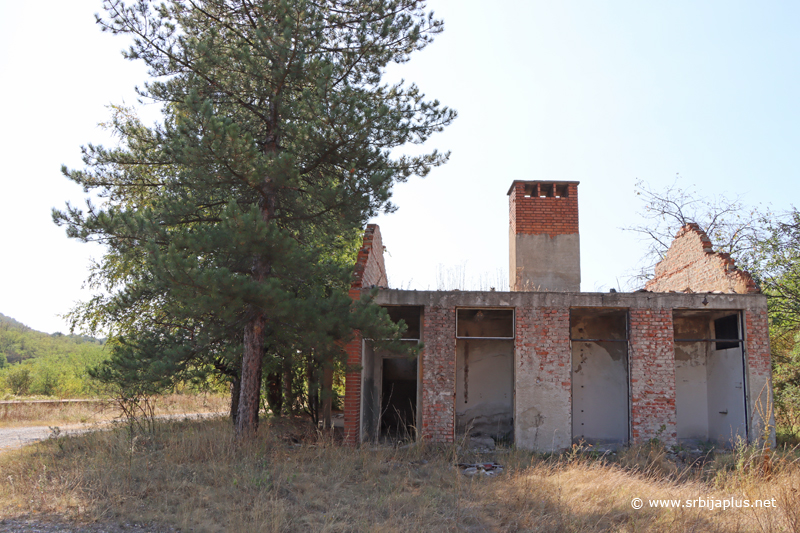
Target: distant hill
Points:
(36, 363)
(19, 342)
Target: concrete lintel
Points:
(623, 300)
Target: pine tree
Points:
(230, 222)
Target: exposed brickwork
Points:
(652, 375)
(542, 343)
(438, 374)
(543, 378)
(691, 265)
(759, 374)
(368, 271)
(352, 396)
(535, 210)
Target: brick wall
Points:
(368, 271)
(652, 375)
(542, 376)
(438, 374)
(759, 378)
(532, 214)
(690, 264)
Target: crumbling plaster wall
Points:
(691, 265)
(543, 406)
(438, 373)
(542, 352)
(759, 376)
(599, 376)
(652, 375)
(485, 387)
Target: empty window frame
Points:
(411, 315)
(484, 323)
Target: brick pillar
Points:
(544, 244)
(352, 395)
(542, 376)
(652, 375)
(368, 271)
(439, 374)
(759, 378)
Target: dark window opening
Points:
(485, 323)
(727, 328)
(409, 314)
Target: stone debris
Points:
(484, 469)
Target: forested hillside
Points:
(32, 362)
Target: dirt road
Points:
(11, 438)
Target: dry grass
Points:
(193, 475)
(50, 414)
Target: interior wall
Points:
(599, 376)
(709, 383)
(600, 392)
(726, 405)
(691, 391)
(485, 387)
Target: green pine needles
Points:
(231, 226)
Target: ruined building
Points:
(544, 365)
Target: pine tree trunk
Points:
(249, 397)
(255, 329)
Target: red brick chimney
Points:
(544, 244)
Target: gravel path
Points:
(17, 437)
(11, 438)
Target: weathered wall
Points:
(368, 271)
(599, 376)
(710, 384)
(485, 387)
(542, 372)
(759, 378)
(545, 263)
(544, 244)
(691, 391)
(726, 401)
(691, 265)
(599, 392)
(652, 371)
(542, 379)
(438, 373)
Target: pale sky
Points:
(604, 93)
